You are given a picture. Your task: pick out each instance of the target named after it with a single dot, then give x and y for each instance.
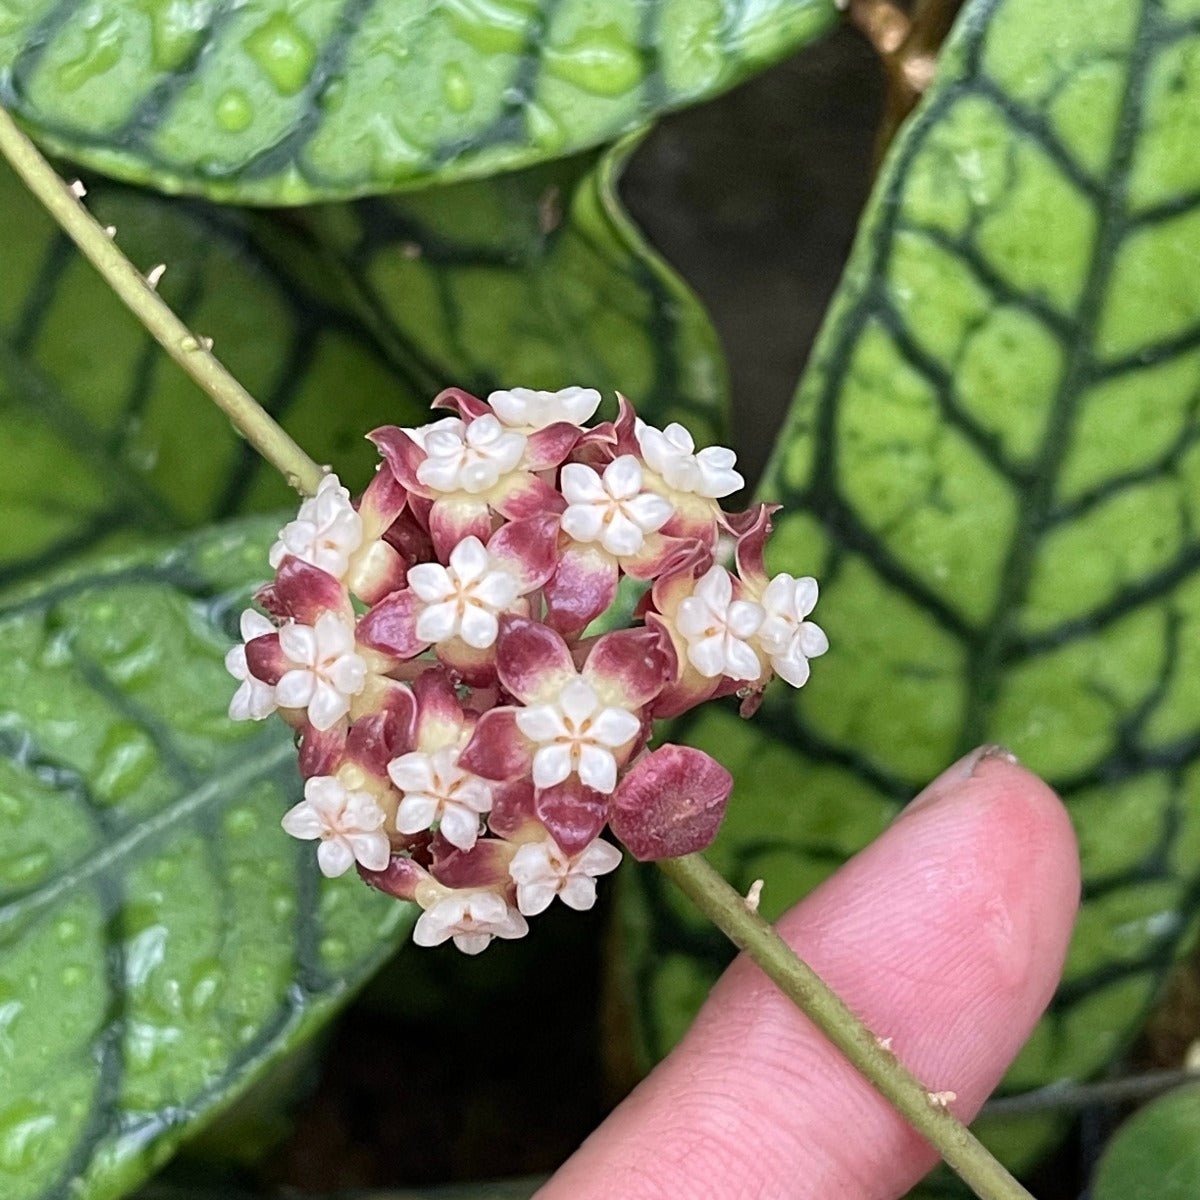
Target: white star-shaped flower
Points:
(326, 670)
(325, 533)
(527, 409)
(472, 919)
(420, 434)
(611, 509)
(574, 733)
(349, 824)
(717, 627)
(672, 453)
(788, 639)
(255, 699)
(436, 789)
(542, 871)
(471, 459)
(464, 598)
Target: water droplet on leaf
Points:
(283, 51)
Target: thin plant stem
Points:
(925, 1112)
(191, 351)
(692, 873)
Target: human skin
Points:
(947, 935)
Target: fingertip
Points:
(946, 935)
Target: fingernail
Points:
(958, 773)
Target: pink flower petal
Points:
(630, 667)
(528, 548)
(671, 803)
(381, 503)
(751, 529)
(533, 662)
(408, 534)
(321, 750)
(439, 716)
(497, 750)
(375, 739)
(485, 865)
(456, 518)
(476, 667)
(303, 592)
(376, 572)
(573, 814)
(661, 555)
(400, 878)
(521, 494)
(549, 446)
(582, 587)
(266, 659)
(512, 807)
(401, 454)
(461, 402)
(391, 626)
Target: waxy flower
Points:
(463, 598)
(254, 700)
(324, 672)
(542, 871)
(787, 638)
(527, 410)
(348, 822)
(439, 792)
(471, 460)
(465, 735)
(456, 606)
(672, 453)
(612, 509)
(472, 919)
(717, 628)
(325, 533)
(575, 734)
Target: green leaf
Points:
(1155, 1155)
(270, 103)
(993, 465)
(338, 319)
(162, 941)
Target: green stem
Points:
(712, 895)
(963, 1152)
(189, 350)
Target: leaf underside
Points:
(162, 941)
(339, 319)
(267, 102)
(993, 465)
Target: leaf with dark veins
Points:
(993, 466)
(271, 103)
(338, 319)
(162, 941)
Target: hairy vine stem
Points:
(136, 291)
(924, 1111)
(692, 873)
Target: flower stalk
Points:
(192, 352)
(957, 1145)
(613, 519)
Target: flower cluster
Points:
(464, 736)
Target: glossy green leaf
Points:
(993, 465)
(338, 319)
(162, 941)
(1155, 1155)
(273, 103)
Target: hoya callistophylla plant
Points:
(325, 676)
(464, 741)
